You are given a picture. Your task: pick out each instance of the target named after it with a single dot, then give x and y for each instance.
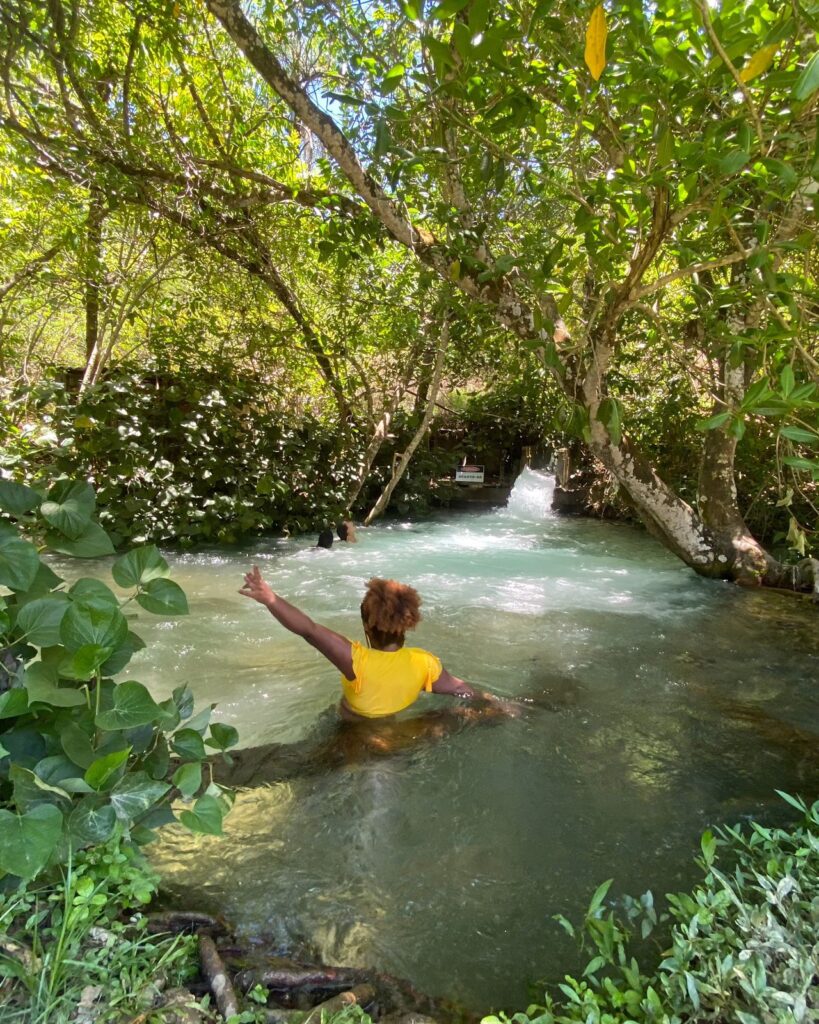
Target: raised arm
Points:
(335, 648)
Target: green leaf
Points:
(77, 745)
(708, 845)
(808, 81)
(222, 736)
(183, 698)
(797, 463)
(188, 744)
(205, 817)
(713, 422)
(599, 896)
(106, 769)
(69, 507)
(448, 9)
(27, 841)
(158, 761)
(136, 793)
(733, 161)
(40, 620)
(19, 563)
(133, 706)
(90, 823)
(786, 379)
(92, 591)
(17, 498)
(123, 654)
(96, 623)
(163, 597)
(188, 779)
(13, 703)
(139, 566)
(799, 434)
(83, 664)
(93, 542)
(42, 686)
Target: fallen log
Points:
(214, 971)
(286, 975)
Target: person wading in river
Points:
(385, 676)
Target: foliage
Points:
(195, 455)
(67, 951)
(743, 942)
(84, 757)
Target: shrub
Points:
(744, 943)
(83, 757)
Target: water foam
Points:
(531, 497)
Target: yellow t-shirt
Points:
(388, 681)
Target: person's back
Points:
(385, 682)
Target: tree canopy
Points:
(622, 193)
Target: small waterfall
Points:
(531, 497)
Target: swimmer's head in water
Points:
(325, 539)
(342, 530)
(388, 610)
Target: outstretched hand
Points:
(256, 588)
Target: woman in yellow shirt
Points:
(385, 677)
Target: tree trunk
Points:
(420, 433)
(93, 274)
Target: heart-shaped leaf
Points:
(69, 507)
(163, 597)
(39, 621)
(139, 566)
(133, 706)
(17, 498)
(91, 823)
(93, 542)
(88, 623)
(28, 840)
(19, 563)
(206, 816)
(135, 793)
(106, 770)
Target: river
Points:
(665, 704)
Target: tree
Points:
(659, 202)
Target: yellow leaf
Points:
(455, 270)
(760, 62)
(596, 33)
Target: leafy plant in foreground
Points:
(84, 757)
(66, 953)
(743, 947)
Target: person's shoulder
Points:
(419, 652)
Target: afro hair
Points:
(390, 608)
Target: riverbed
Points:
(663, 704)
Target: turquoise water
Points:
(666, 703)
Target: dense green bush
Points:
(84, 757)
(744, 943)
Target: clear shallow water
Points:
(669, 703)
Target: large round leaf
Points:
(87, 589)
(40, 620)
(90, 823)
(93, 623)
(41, 682)
(17, 498)
(139, 566)
(206, 816)
(28, 840)
(136, 793)
(105, 771)
(93, 542)
(19, 563)
(69, 507)
(133, 706)
(85, 662)
(163, 597)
